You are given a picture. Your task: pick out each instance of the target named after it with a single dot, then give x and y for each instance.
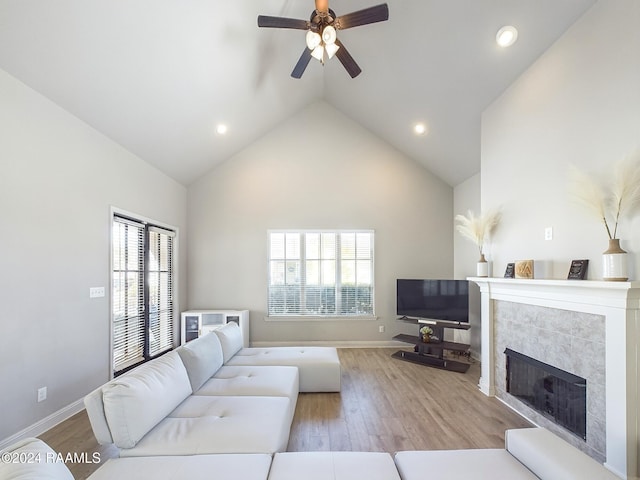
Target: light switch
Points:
(96, 292)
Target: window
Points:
(142, 292)
(321, 273)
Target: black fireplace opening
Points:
(558, 395)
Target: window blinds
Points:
(160, 282)
(323, 273)
(128, 293)
(142, 292)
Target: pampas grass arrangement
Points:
(609, 199)
(477, 228)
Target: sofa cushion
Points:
(334, 466)
(485, 464)
(319, 367)
(230, 337)
(267, 381)
(32, 459)
(135, 402)
(192, 467)
(202, 358)
(551, 458)
(218, 424)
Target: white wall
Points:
(58, 181)
(466, 196)
(579, 103)
(317, 170)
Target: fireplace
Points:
(558, 395)
(589, 328)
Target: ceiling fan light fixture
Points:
(329, 35)
(331, 49)
(313, 40)
(507, 36)
(318, 53)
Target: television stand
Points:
(432, 354)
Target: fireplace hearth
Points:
(558, 395)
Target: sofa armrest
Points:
(95, 411)
(551, 458)
(32, 458)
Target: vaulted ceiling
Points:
(157, 76)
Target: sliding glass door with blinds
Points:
(142, 292)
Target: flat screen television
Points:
(446, 300)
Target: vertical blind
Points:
(320, 273)
(142, 292)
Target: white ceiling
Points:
(156, 76)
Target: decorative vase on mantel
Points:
(482, 269)
(614, 262)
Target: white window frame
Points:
(316, 317)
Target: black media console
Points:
(432, 354)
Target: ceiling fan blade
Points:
(347, 60)
(300, 67)
(282, 22)
(379, 13)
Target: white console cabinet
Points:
(195, 323)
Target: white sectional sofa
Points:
(530, 453)
(186, 415)
(194, 400)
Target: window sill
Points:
(320, 318)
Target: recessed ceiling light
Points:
(420, 129)
(507, 36)
(221, 129)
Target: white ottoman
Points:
(333, 466)
(319, 367)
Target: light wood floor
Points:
(385, 405)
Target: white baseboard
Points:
(45, 424)
(336, 344)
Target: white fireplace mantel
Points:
(619, 303)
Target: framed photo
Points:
(510, 271)
(578, 270)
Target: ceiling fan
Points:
(321, 33)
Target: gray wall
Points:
(317, 170)
(579, 103)
(58, 182)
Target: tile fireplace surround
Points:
(562, 313)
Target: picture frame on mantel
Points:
(578, 270)
(510, 270)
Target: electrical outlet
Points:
(42, 394)
(381, 329)
(548, 233)
(96, 292)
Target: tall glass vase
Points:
(614, 262)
